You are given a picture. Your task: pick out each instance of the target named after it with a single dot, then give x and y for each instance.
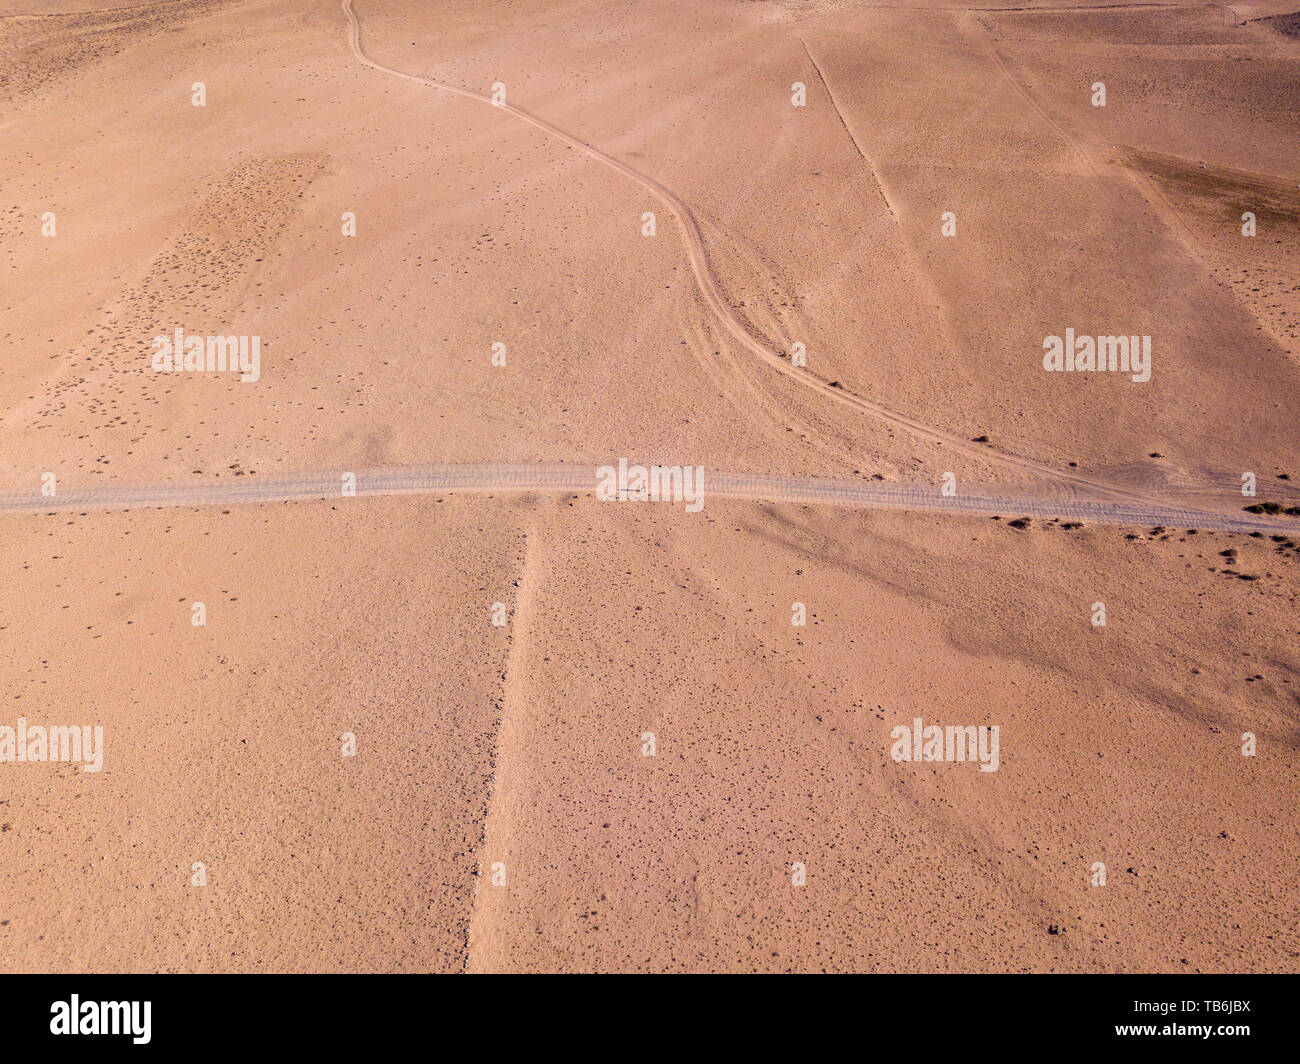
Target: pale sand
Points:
(521, 745)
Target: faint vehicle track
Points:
(970, 21)
(514, 479)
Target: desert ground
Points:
(515, 726)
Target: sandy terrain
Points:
(500, 811)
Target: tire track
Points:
(839, 113)
(495, 833)
(515, 479)
(969, 21)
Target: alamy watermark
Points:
(1089, 354)
(56, 743)
(179, 353)
(952, 743)
(651, 484)
(131, 1018)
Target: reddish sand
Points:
(500, 812)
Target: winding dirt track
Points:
(1065, 483)
(1071, 496)
(571, 479)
